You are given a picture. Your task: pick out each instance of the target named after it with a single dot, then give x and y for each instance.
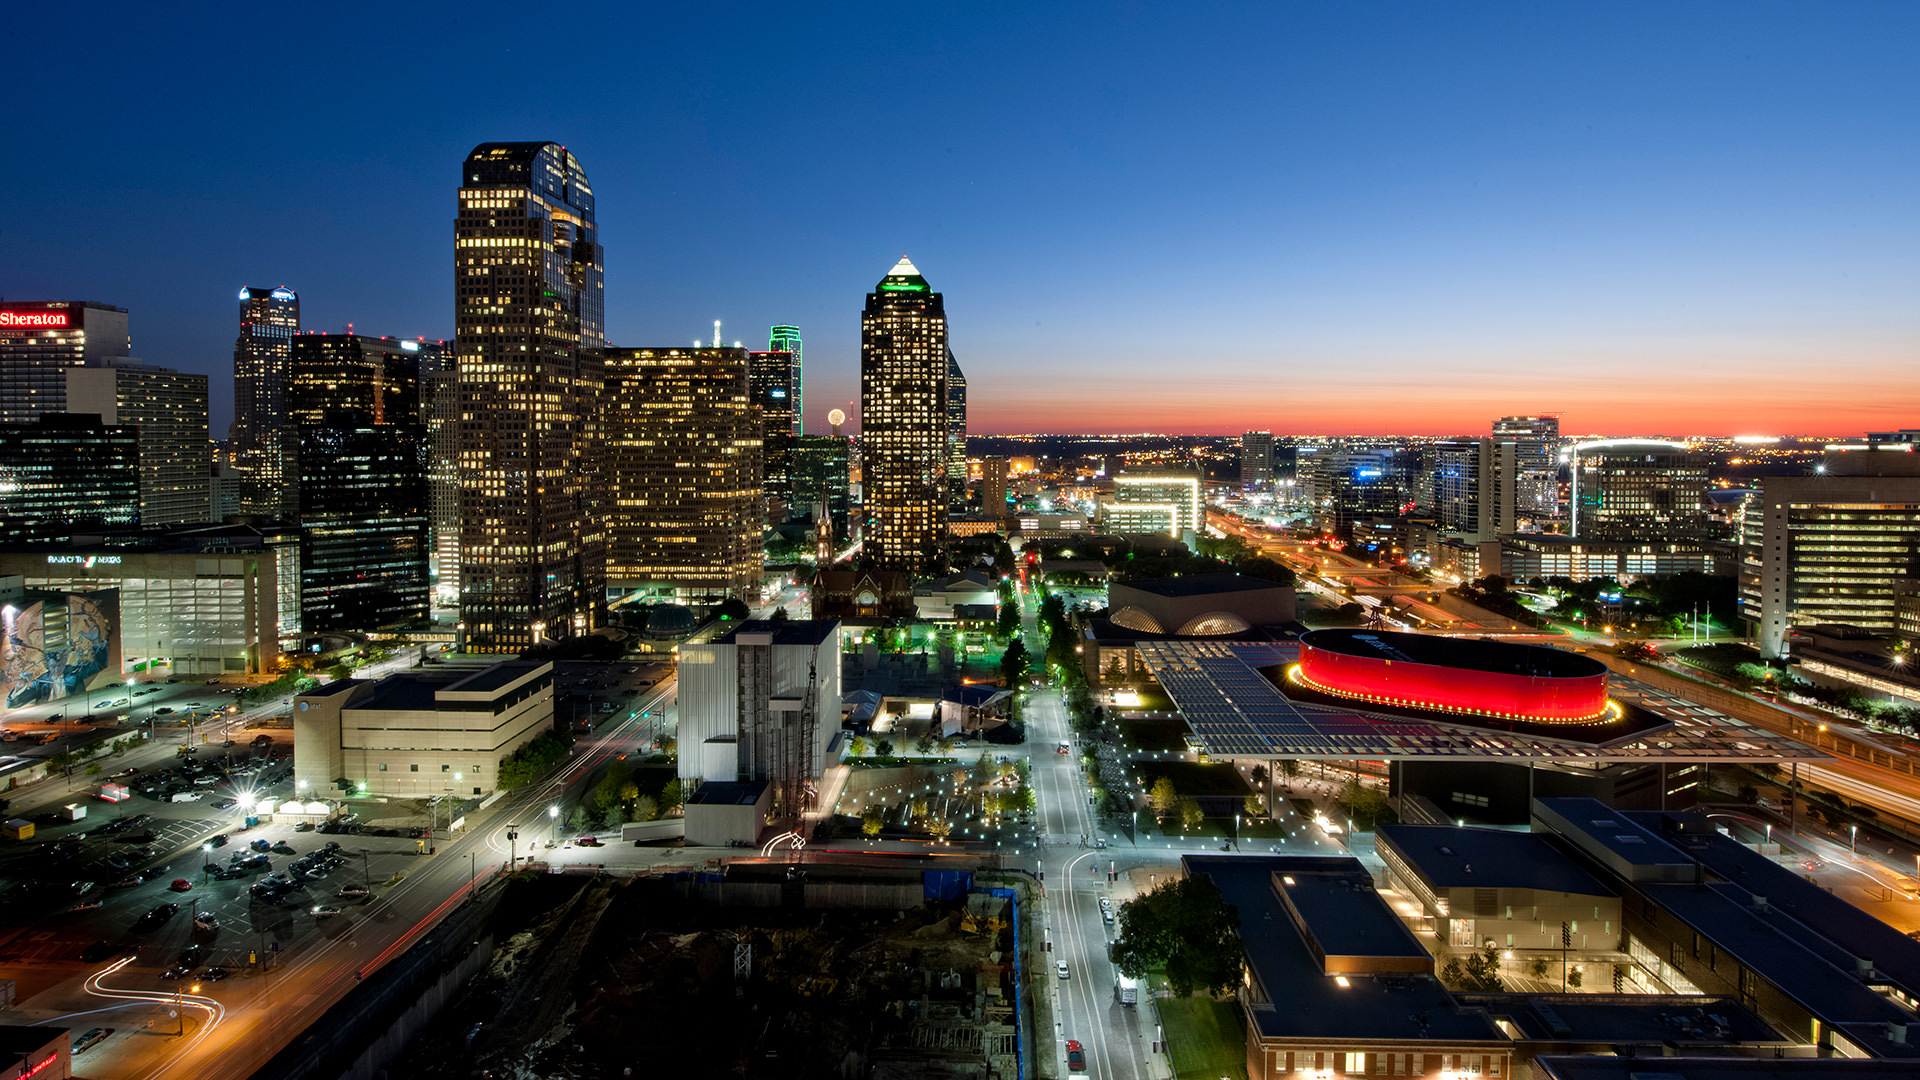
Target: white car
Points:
(1061, 967)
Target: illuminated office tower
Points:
(1256, 459)
(1644, 490)
(1837, 546)
(904, 439)
(1536, 442)
(820, 482)
(1155, 501)
(169, 411)
(993, 486)
(956, 430)
(41, 339)
(261, 447)
(786, 339)
(440, 407)
(683, 466)
(771, 377)
(1474, 486)
(529, 335)
(354, 405)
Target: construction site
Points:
(767, 969)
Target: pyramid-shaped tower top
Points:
(904, 277)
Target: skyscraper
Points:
(353, 405)
(786, 339)
(770, 380)
(993, 486)
(529, 335)
(956, 430)
(168, 409)
(820, 483)
(1474, 486)
(40, 340)
(1536, 442)
(258, 441)
(1256, 458)
(1156, 501)
(683, 467)
(440, 408)
(904, 440)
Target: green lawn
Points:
(1206, 1039)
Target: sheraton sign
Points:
(30, 319)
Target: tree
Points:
(732, 609)
(1253, 807)
(1259, 774)
(884, 748)
(1163, 796)
(645, 808)
(579, 820)
(938, 828)
(857, 747)
(1479, 971)
(1187, 927)
(779, 615)
(1014, 662)
(1289, 768)
(873, 819)
(924, 744)
(1366, 806)
(1191, 815)
(1018, 801)
(1539, 966)
(94, 769)
(670, 797)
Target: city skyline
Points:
(1642, 232)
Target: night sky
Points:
(1310, 217)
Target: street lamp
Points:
(1853, 841)
(206, 861)
(553, 815)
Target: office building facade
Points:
(683, 467)
(440, 394)
(354, 404)
(1475, 482)
(191, 601)
(168, 411)
(1832, 547)
(1646, 490)
(904, 436)
(820, 485)
(770, 380)
(258, 440)
(40, 340)
(66, 471)
(993, 487)
(1536, 442)
(1256, 459)
(528, 346)
(1156, 501)
(786, 339)
(956, 430)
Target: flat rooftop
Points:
(1459, 858)
(784, 631)
(728, 793)
(497, 677)
(1304, 1001)
(1335, 907)
(1596, 1067)
(1645, 1019)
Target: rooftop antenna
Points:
(716, 333)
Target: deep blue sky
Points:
(1306, 216)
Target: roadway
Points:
(233, 1027)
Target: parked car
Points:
(180, 884)
(1076, 1057)
(325, 912)
(93, 1037)
(214, 974)
(178, 971)
(1061, 967)
(261, 845)
(86, 905)
(354, 892)
(589, 841)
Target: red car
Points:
(589, 841)
(1076, 1059)
(181, 884)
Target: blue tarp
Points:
(945, 884)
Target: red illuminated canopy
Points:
(1454, 675)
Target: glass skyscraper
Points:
(771, 377)
(529, 341)
(355, 407)
(956, 430)
(904, 437)
(258, 440)
(786, 339)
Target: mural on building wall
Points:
(58, 645)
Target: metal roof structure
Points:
(1235, 711)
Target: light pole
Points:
(206, 864)
(513, 853)
(553, 816)
(1853, 841)
(178, 1014)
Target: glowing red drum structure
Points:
(1456, 675)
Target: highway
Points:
(234, 1026)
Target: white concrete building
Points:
(743, 706)
(420, 733)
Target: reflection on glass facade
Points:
(355, 404)
(529, 336)
(786, 339)
(770, 378)
(66, 471)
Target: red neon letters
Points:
(32, 318)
